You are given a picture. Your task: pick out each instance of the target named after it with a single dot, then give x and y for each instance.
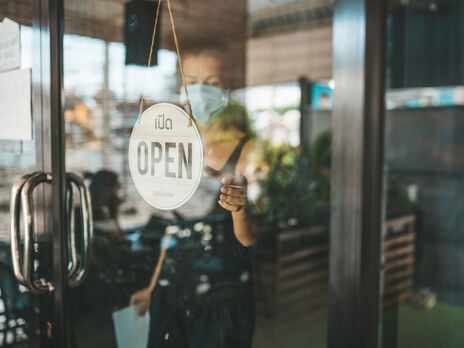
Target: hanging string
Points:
(176, 42)
(179, 58)
(152, 45)
(167, 236)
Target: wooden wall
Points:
(284, 57)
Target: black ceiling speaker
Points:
(138, 30)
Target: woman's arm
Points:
(234, 193)
(143, 297)
(234, 199)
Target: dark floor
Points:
(438, 327)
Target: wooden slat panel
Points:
(398, 287)
(398, 223)
(397, 299)
(392, 276)
(406, 250)
(305, 267)
(304, 253)
(404, 238)
(398, 263)
(303, 232)
(306, 281)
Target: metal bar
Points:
(77, 276)
(15, 207)
(356, 181)
(60, 325)
(40, 286)
(373, 213)
(41, 113)
(71, 229)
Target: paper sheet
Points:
(131, 329)
(10, 46)
(16, 105)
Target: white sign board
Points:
(165, 156)
(9, 45)
(15, 105)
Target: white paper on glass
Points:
(16, 105)
(10, 54)
(131, 329)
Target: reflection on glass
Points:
(201, 292)
(19, 309)
(423, 246)
(243, 263)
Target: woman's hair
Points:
(219, 54)
(103, 185)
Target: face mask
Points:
(206, 101)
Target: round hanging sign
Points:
(165, 156)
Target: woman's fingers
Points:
(233, 192)
(142, 300)
(230, 207)
(236, 191)
(134, 299)
(232, 200)
(234, 180)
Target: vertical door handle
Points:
(23, 258)
(80, 266)
(15, 218)
(39, 286)
(71, 227)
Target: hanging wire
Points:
(179, 58)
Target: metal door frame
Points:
(357, 174)
(60, 328)
(48, 22)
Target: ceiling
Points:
(212, 19)
(219, 23)
(194, 19)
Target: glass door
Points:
(423, 245)
(244, 262)
(25, 258)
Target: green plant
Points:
(297, 188)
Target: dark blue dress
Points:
(204, 295)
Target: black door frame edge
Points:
(60, 328)
(358, 124)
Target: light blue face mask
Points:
(206, 101)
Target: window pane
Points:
(423, 282)
(241, 272)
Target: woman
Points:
(201, 295)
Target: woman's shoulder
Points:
(251, 157)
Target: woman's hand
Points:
(142, 298)
(233, 192)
